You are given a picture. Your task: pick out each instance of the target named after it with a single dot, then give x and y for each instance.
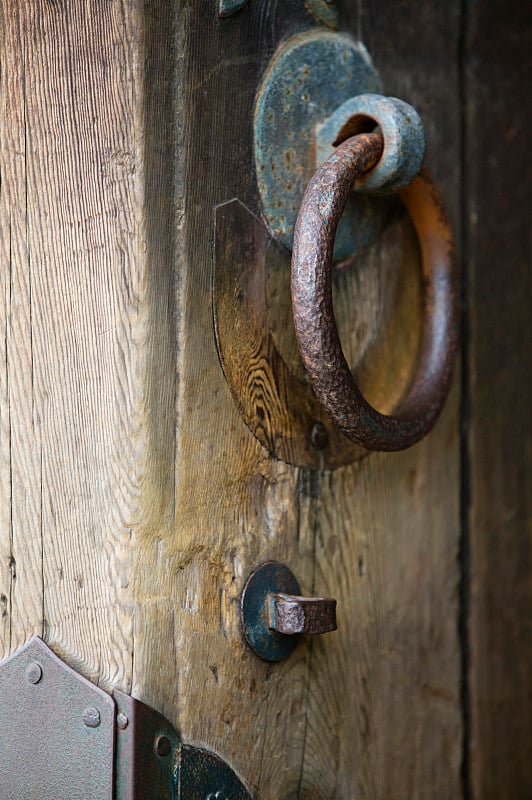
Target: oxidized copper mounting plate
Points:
(309, 76)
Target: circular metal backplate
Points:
(269, 578)
(308, 78)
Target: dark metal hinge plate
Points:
(62, 738)
(56, 730)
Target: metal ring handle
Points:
(319, 344)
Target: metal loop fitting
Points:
(316, 331)
(401, 128)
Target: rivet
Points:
(91, 717)
(34, 672)
(319, 436)
(162, 745)
(121, 721)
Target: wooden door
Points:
(134, 501)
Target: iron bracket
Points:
(61, 736)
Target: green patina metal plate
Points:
(307, 79)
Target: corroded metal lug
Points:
(292, 614)
(274, 614)
(402, 131)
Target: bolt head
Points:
(91, 717)
(319, 436)
(121, 721)
(162, 745)
(34, 672)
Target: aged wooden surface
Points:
(381, 536)
(70, 236)
(88, 376)
(499, 388)
(134, 499)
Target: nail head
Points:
(34, 672)
(121, 721)
(162, 745)
(319, 436)
(91, 717)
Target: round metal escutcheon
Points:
(308, 78)
(269, 578)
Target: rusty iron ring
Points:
(317, 335)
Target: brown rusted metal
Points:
(291, 614)
(274, 613)
(319, 343)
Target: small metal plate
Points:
(324, 10)
(278, 406)
(270, 577)
(307, 79)
(146, 744)
(47, 750)
(204, 776)
(228, 7)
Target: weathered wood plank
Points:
(156, 500)
(350, 714)
(384, 705)
(235, 505)
(21, 578)
(498, 77)
(84, 427)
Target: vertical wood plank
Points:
(236, 506)
(21, 486)
(346, 716)
(498, 77)
(85, 422)
(384, 705)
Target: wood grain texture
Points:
(394, 524)
(21, 589)
(135, 501)
(81, 462)
(349, 715)
(499, 387)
